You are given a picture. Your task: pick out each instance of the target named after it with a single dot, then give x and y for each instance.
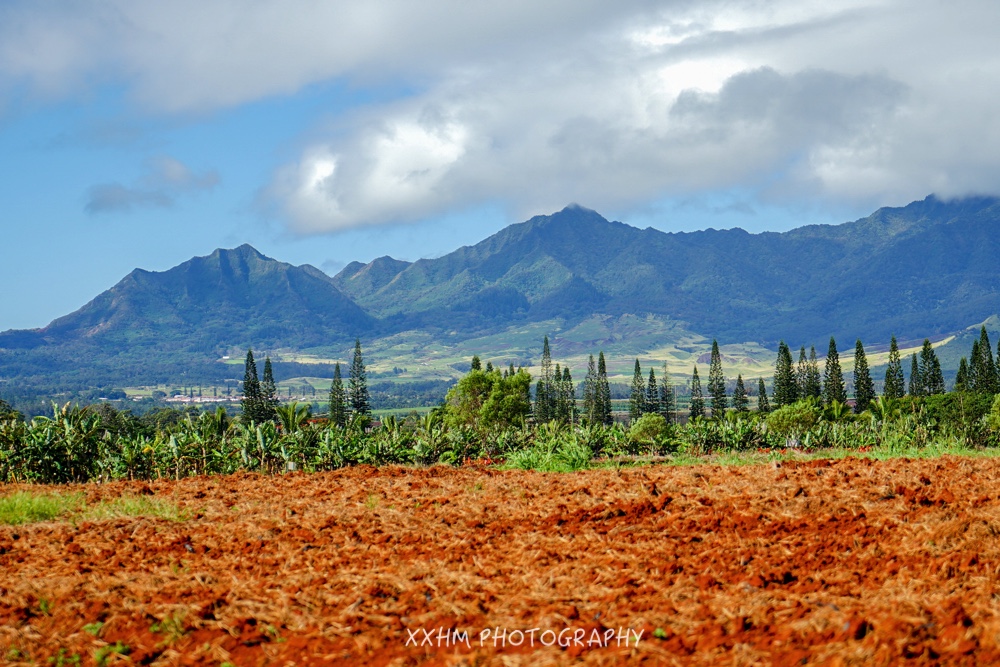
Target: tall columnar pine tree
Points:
(603, 411)
(568, 395)
(268, 392)
(697, 400)
(833, 377)
(930, 370)
(785, 387)
(763, 405)
(740, 401)
(717, 383)
(565, 398)
(802, 373)
(864, 388)
(652, 394)
(558, 407)
(667, 402)
(251, 402)
(477, 364)
(590, 392)
(962, 376)
(814, 384)
(637, 395)
(974, 366)
(916, 382)
(357, 385)
(545, 404)
(338, 399)
(895, 385)
(983, 373)
(997, 364)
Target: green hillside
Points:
(924, 270)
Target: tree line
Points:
(792, 381)
(496, 414)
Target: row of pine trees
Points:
(260, 396)
(555, 392)
(791, 382)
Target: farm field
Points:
(849, 561)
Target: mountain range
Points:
(926, 269)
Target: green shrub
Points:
(650, 429)
(792, 421)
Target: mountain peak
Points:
(245, 251)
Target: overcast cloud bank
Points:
(609, 105)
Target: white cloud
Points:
(538, 104)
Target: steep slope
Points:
(231, 296)
(925, 268)
(361, 280)
(157, 323)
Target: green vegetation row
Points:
(492, 415)
(84, 444)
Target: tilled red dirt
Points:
(836, 562)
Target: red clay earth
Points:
(838, 562)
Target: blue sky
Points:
(142, 134)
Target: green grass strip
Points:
(23, 507)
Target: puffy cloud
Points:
(534, 104)
(867, 103)
(164, 180)
(194, 55)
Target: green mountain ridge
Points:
(926, 269)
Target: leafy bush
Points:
(793, 421)
(650, 430)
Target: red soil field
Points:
(834, 562)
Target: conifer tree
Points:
(763, 405)
(802, 373)
(667, 402)
(740, 401)
(357, 384)
(895, 385)
(864, 387)
(569, 395)
(984, 371)
(974, 366)
(590, 392)
(558, 395)
(477, 364)
(652, 394)
(251, 402)
(338, 399)
(268, 393)
(717, 383)
(545, 404)
(697, 400)
(814, 385)
(962, 376)
(833, 378)
(997, 364)
(916, 382)
(930, 371)
(603, 410)
(489, 366)
(637, 397)
(785, 387)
